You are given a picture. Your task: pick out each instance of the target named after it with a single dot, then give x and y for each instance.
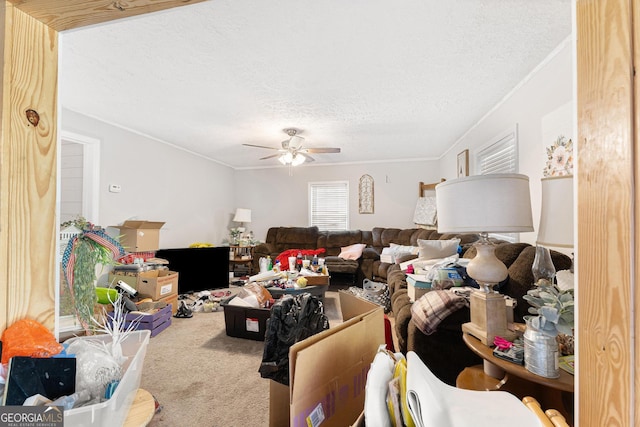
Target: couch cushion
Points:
(339, 265)
(296, 238)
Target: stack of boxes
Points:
(160, 284)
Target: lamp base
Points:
(489, 317)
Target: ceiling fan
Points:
(293, 153)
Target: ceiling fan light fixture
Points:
(286, 158)
(297, 160)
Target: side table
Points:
(240, 259)
(500, 374)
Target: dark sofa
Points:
(444, 352)
(369, 266)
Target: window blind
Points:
(329, 205)
(500, 156)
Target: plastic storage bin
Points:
(113, 412)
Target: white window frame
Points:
(340, 188)
(500, 155)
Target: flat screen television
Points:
(199, 269)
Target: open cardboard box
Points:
(140, 236)
(328, 371)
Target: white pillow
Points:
(387, 256)
(430, 249)
(400, 251)
(352, 252)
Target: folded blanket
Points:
(433, 307)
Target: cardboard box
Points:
(173, 300)
(156, 284)
(317, 280)
(130, 278)
(416, 288)
(320, 383)
(245, 322)
(140, 236)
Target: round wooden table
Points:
(142, 409)
(500, 374)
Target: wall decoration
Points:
(463, 163)
(365, 193)
(559, 158)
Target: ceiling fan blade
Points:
(322, 150)
(307, 157)
(261, 146)
(269, 157)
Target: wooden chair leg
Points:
(550, 418)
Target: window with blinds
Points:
(500, 156)
(329, 205)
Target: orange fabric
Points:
(27, 337)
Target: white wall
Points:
(541, 107)
(277, 199)
(193, 195)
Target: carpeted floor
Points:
(203, 378)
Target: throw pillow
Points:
(430, 249)
(433, 307)
(353, 251)
(426, 211)
(400, 251)
(387, 256)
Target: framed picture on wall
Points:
(463, 163)
(365, 194)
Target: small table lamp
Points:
(242, 216)
(496, 203)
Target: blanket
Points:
(284, 256)
(433, 307)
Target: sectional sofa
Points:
(369, 265)
(443, 351)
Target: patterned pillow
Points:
(433, 307)
(425, 213)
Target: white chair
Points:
(435, 403)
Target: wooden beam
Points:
(606, 210)
(28, 169)
(68, 14)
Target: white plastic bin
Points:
(113, 412)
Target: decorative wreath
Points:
(559, 158)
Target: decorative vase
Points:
(542, 267)
(541, 350)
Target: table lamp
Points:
(495, 203)
(556, 223)
(242, 216)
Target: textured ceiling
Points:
(380, 79)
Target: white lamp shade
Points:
(495, 203)
(556, 212)
(242, 215)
